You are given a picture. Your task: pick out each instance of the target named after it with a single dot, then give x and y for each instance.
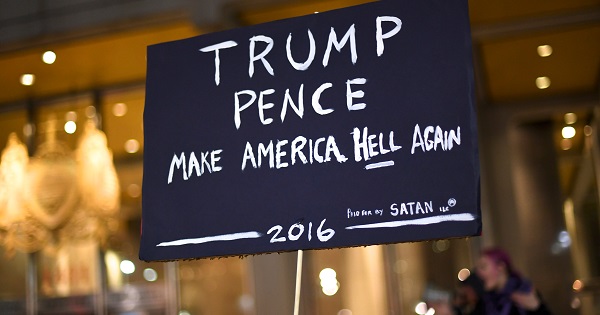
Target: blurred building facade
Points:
(537, 67)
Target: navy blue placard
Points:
(344, 128)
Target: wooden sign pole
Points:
(298, 282)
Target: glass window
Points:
(13, 263)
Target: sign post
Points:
(345, 128)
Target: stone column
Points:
(539, 212)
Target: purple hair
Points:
(498, 255)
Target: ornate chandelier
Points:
(57, 195)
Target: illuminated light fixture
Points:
(150, 275)
(430, 311)
(184, 312)
(329, 283)
(119, 109)
(132, 146)
(27, 79)
(542, 82)
(577, 285)
(327, 273)
(49, 57)
(421, 308)
(331, 290)
(570, 118)
(463, 274)
(566, 144)
(568, 132)
(70, 127)
(564, 239)
(544, 50)
(344, 312)
(127, 267)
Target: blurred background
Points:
(71, 68)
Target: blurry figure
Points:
(437, 301)
(506, 291)
(468, 299)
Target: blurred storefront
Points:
(538, 88)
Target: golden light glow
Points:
(327, 273)
(463, 274)
(570, 118)
(70, 127)
(71, 115)
(577, 285)
(49, 57)
(150, 275)
(127, 267)
(90, 111)
(132, 146)
(27, 79)
(28, 130)
(544, 50)
(329, 283)
(421, 308)
(566, 144)
(587, 130)
(119, 109)
(568, 132)
(542, 82)
(134, 190)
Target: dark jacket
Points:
(500, 303)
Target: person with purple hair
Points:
(506, 291)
